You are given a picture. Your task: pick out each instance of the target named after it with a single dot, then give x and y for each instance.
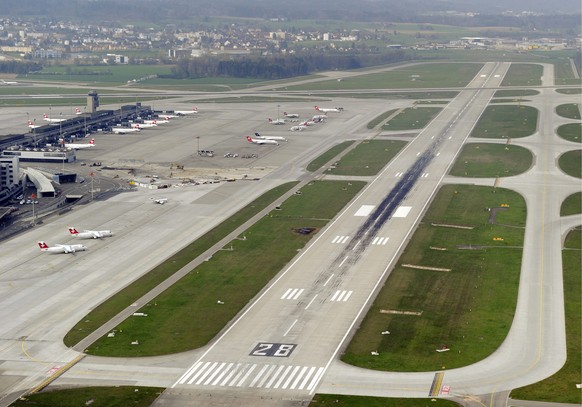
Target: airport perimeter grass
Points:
(517, 93)
(569, 111)
(571, 163)
(506, 122)
(572, 205)
(68, 102)
(486, 160)
(328, 155)
(412, 118)
(338, 400)
(561, 387)
(379, 119)
(523, 75)
(368, 158)
(118, 396)
(392, 95)
(188, 315)
(468, 309)
(119, 301)
(570, 91)
(428, 75)
(571, 132)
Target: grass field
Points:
(571, 132)
(429, 75)
(569, 111)
(485, 160)
(233, 276)
(506, 122)
(456, 308)
(159, 273)
(571, 163)
(254, 99)
(379, 119)
(523, 75)
(412, 118)
(516, 93)
(561, 387)
(335, 400)
(328, 155)
(368, 158)
(118, 396)
(570, 91)
(572, 205)
(392, 95)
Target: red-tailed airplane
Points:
(32, 125)
(144, 125)
(277, 121)
(123, 130)
(62, 248)
(324, 110)
(185, 112)
(297, 128)
(291, 115)
(261, 141)
(78, 146)
(45, 117)
(276, 138)
(90, 234)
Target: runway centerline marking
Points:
(291, 327)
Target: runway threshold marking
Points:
(341, 295)
(436, 384)
(340, 239)
(292, 294)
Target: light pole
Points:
(198, 139)
(85, 117)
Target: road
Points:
(285, 345)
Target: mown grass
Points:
(571, 163)
(412, 118)
(25, 102)
(112, 74)
(561, 387)
(118, 396)
(429, 75)
(523, 75)
(328, 155)
(572, 205)
(485, 160)
(569, 111)
(338, 400)
(506, 122)
(457, 308)
(116, 303)
(393, 95)
(570, 91)
(379, 119)
(571, 132)
(517, 93)
(368, 158)
(188, 315)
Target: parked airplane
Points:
(61, 248)
(89, 234)
(319, 117)
(78, 111)
(324, 110)
(78, 146)
(277, 138)
(291, 115)
(161, 201)
(307, 123)
(8, 82)
(261, 141)
(144, 125)
(277, 121)
(32, 125)
(45, 117)
(185, 112)
(123, 130)
(297, 128)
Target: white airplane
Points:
(89, 234)
(61, 248)
(297, 128)
(319, 117)
(261, 141)
(144, 125)
(124, 130)
(291, 115)
(46, 118)
(8, 82)
(78, 111)
(324, 110)
(307, 123)
(157, 121)
(161, 201)
(277, 121)
(185, 112)
(277, 138)
(79, 146)
(32, 125)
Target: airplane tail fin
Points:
(92, 141)
(249, 139)
(73, 231)
(270, 120)
(42, 245)
(316, 107)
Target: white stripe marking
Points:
(274, 377)
(282, 377)
(343, 261)
(298, 294)
(335, 295)
(348, 296)
(208, 371)
(199, 372)
(315, 378)
(216, 372)
(286, 384)
(239, 373)
(267, 375)
(229, 375)
(245, 377)
(258, 376)
(335, 239)
(304, 382)
(375, 240)
(311, 301)
(286, 293)
(299, 377)
(221, 375)
(330, 277)
(291, 327)
(189, 372)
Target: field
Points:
(393, 95)
(429, 75)
(571, 163)
(368, 158)
(572, 205)
(485, 160)
(380, 118)
(452, 308)
(570, 132)
(335, 400)
(234, 275)
(523, 75)
(517, 93)
(96, 396)
(561, 387)
(412, 118)
(328, 155)
(506, 122)
(569, 111)
(570, 91)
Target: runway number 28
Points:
(278, 350)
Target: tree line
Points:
(19, 67)
(278, 66)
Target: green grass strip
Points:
(486, 160)
(571, 163)
(159, 273)
(368, 158)
(412, 118)
(338, 400)
(328, 155)
(569, 111)
(572, 205)
(194, 310)
(523, 75)
(506, 122)
(448, 308)
(379, 119)
(571, 132)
